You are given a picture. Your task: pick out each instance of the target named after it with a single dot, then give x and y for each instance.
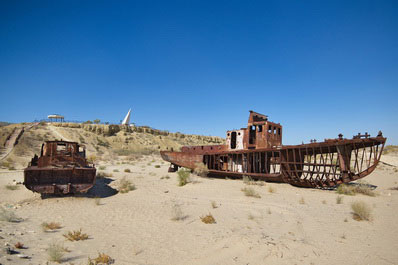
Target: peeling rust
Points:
(62, 168)
(257, 151)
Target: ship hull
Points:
(314, 165)
(59, 180)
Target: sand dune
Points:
(136, 227)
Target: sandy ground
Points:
(136, 227)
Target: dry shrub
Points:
(116, 170)
(302, 200)
(125, 185)
(76, 235)
(127, 170)
(271, 189)
(208, 219)
(201, 170)
(101, 259)
(157, 166)
(50, 226)
(183, 176)
(102, 167)
(361, 211)
(250, 192)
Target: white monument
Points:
(126, 120)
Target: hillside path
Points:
(9, 146)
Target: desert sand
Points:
(287, 226)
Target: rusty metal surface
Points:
(62, 168)
(261, 155)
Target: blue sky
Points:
(317, 67)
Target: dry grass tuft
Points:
(183, 176)
(104, 175)
(201, 170)
(97, 201)
(302, 200)
(177, 214)
(249, 181)
(50, 226)
(250, 192)
(76, 235)
(102, 259)
(208, 219)
(339, 199)
(324, 202)
(127, 170)
(271, 189)
(102, 167)
(269, 211)
(56, 252)
(361, 211)
(360, 187)
(19, 245)
(157, 166)
(214, 204)
(116, 170)
(125, 185)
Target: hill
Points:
(103, 142)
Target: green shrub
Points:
(183, 176)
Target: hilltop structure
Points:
(56, 117)
(126, 120)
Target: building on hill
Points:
(56, 118)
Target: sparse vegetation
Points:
(201, 170)
(102, 167)
(8, 216)
(183, 176)
(56, 252)
(250, 192)
(102, 259)
(104, 175)
(12, 187)
(157, 166)
(361, 211)
(19, 245)
(352, 189)
(339, 199)
(76, 235)
(249, 181)
(125, 185)
(50, 226)
(208, 219)
(127, 170)
(176, 211)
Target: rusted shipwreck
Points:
(62, 168)
(257, 151)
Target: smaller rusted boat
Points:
(62, 168)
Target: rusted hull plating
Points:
(315, 165)
(59, 180)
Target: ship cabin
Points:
(260, 133)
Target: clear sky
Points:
(317, 67)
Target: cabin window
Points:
(252, 134)
(260, 128)
(270, 129)
(279, 131)
(61, 148)
(238, 133)
(227, 134)
(202, 147)
(274, 130)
